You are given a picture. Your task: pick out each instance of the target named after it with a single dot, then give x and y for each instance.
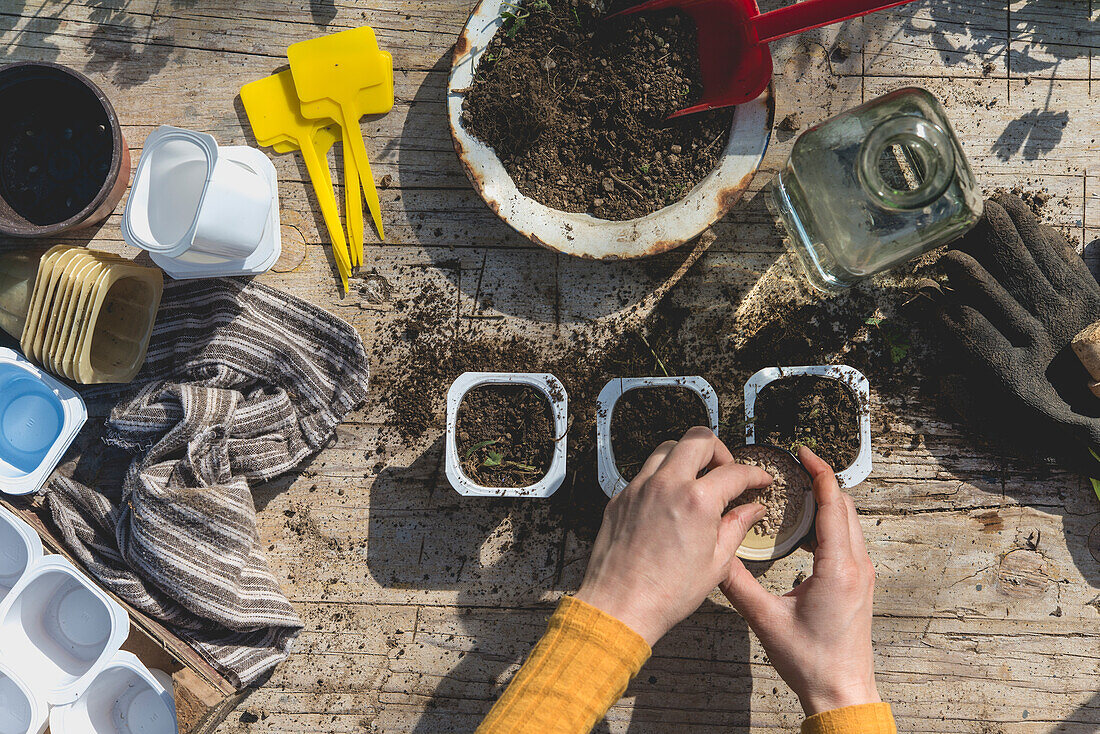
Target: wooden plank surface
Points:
(419, 605)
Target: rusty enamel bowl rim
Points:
(581, 234)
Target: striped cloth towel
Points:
(241, 385)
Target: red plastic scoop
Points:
(734, 58)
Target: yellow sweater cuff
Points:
(579, 668)
(866, 718)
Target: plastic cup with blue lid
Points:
(39, 418)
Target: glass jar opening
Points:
(906, 162)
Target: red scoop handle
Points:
(810, 14)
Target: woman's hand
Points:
(818, 636)
(664, 543)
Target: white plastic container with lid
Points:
(58, 630)
(39, 418)
(20, 549)
(202, 210)
(22, 710)
(851, 475)
(125, 697)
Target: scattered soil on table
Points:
(818, 412)
(576, 108)
(694, 330)
(784, 497)
(55, 149)
(644, 418)
(505, 435)
(1035, 200)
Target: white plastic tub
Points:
(39, 418)
(22, 711)
(58, 629)
(859, 469)
(545, 383)
(611, 480)
(20, 549)
(202, 210)
(125, 697)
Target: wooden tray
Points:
(204, 697)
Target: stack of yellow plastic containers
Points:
(81, 314)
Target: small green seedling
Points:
(515, 18)
(897, 342)
(496, 458)
(480, 445)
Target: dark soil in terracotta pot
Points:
(56, 146)
(818, 412)
(505, 435)
(646, 417)
(576, 108)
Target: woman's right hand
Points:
(818, 636)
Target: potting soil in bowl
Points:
(505, 435)
(576, 107)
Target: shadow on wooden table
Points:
(503, 274)
(1042, 37)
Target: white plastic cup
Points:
(21, 710)
(851, 475)
(607, 472)
(125, 697)
(39, 418)
(554, 392)
(59, 629)
(234, 211)
(186, 197)
(20, 549)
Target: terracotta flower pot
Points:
(64, 163)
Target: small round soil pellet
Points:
(785, 497)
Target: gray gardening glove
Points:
(1019, 294)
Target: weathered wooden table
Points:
(419, 605)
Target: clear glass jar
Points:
(873, 187)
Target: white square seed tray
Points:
(545, 383)
(610, 479)
(859, 469)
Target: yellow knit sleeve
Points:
(579, 668)
(867, 718)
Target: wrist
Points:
(816, 702)
(624, 608)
